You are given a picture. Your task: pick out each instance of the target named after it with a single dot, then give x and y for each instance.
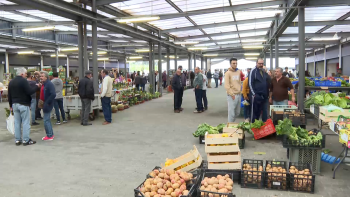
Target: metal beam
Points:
(106, 2)
(321, 23)
(30, 24)
(219, 24)
(222, 9)
(320, 35)
(12, 7)
(319, 3)
(224, 33)
(88, 31)
(301, 31)
(276, 53)
(94, 49)
(233, 39)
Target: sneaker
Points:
(30, 142)
(197, 111)
(47, 138)
(65, 121)
(35, 123)
(18, 143)
(58, 122)
(177, 111)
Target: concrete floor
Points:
(112, 160)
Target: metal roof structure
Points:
(222, 26)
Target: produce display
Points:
(252, 174)
(203, 128)
(322, 98)
(298, 136)
(276, 175)
(257, 124)
(309, 82)
(216, 186)
(166, 183)
(186, 162)
(246, 127)
(301, 180)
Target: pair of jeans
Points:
(164, 84)
(284, 102)
(85, 110)
(205, 100)
(220, 80)
(247, 109)
(178, 99)
(143, 87)
(137, 87)
(216, 82)
(234, 107)
(33, 109)
(48, 125)
(106, 108)
(22, 117)
(258, 105)
(58, 105)
(199, 96)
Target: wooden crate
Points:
(229, 129)
(215, 143)
(225, 166)
(193, 155)
(229, 161)
(328, 116)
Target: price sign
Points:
(276, 183)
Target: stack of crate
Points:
(222, 151)
(231, 129)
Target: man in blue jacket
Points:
(258, 90)
(178, 91)
(49, 97)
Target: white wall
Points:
(331, 68)
(320, 68)
(311, 68)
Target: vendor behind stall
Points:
(339, 73)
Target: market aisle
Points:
(112, 160)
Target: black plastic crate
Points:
(155, 168)
(288, 143)
(276, 180)
(201, 139)
(191, 186)
(316, 111)
(241, 142)
(252, 178)
(213, 173)
(306, 183)
(296, 120)
(276, 116)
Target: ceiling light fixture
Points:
(252, 54)
(257, 40)
(135, 57)
(325, 39)
(39, 28)
(103, 59)
(251, 58)
(100, 53)
(130, 61)
(59, 55)
(210, 55)
(25, 52)
(186, 42)
(197, 48)
(171, 56)
(70, 49)
(141, 50)
(137, 19)
(253, 47)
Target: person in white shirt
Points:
(204, 95)
(106, 94)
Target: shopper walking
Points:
(209, 76)
(286, 73)
(192, 76)
(19, 95)
(258, 89)
(37, 110)
(49, 94)
(164, 79)
(216, 78)
(106, 94)
(86, 93)
(279, 89)
(137, 80)
(245, 93)
(178, 91)
(204, 92)
(198, 90)
(32, 84)
(233, 90)
(58, 102)
(220, 77)
(143, 81)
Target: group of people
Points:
(217, 76)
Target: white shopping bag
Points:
(10, 121)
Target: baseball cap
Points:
(50, 73)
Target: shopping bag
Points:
(10, 123)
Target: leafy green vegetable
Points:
(308, 82)
(284, 127)
(302, 133)
(257, 124)
(220, 127)
(203, 128)
(245, 126)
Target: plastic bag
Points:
(245, 103)
(332, 108)
(10, 124)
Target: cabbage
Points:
(319, 100)
(342, 103)
(328, 98)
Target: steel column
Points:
(189, 67)
(160, 72)
(340, 56)
(325, 63)
(14, 31)
(125, 74)
(57, 61)
(265, 60)
(94, 49)
(151, 73)
(301, 27)
(202, 63)
(67, 70)
(41, 62)
(175, 59)
(7, 62)
(86, 55)
(195, 64)
(168, 65)
(271, 56)
(276, 53)
(80, 51)
(314, 64)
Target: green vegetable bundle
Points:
(257, 124)
(245, 126)
(203, 128)
(322, 98)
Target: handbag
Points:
(40, 104)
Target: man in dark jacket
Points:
(49, 97)
(19, 95)
(192, 76)
(164, 79)
(178, 91)
(209, 78)
(86, 93)
(258, 90)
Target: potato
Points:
(202, 188)
(173, 194)
(185, 192)
(229, 188)
(213, 189)
(175, 185)
(161, 191)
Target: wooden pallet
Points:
(193, 155)
(229, 129)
